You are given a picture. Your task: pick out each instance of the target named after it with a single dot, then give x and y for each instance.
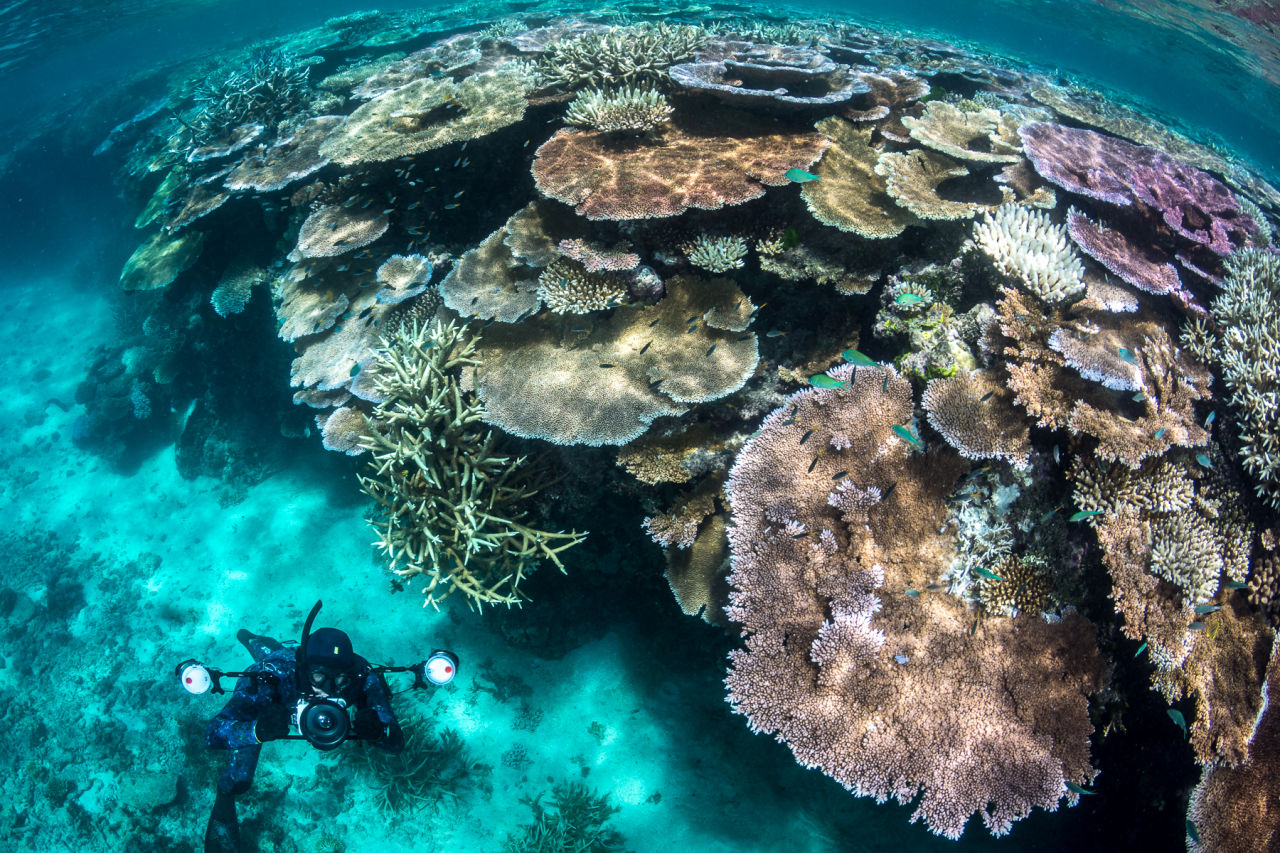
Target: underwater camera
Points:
(323, 721)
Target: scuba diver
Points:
(312, 686)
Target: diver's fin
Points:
(222, 835)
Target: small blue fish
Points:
(854, 357)
(884, 386)
(711, 349)
(450, 206)
(1048, 515)
(907, 436)
(1236, 584)
(1077, 789)
(1192, 831)
(1139, 397)
(1176, 716)
(1209, 420)
(1127, 355)
(901, 658)
(805, 437)
(1160, 433)
(814, 462)
(1205, 609)
(822, 380)
(645, 348)
(909, 299)
(987, 573)
(1204, 460)
(800, 176)
(914, 593)
(987, 396)
(1084, 513)
(1196, 626)
(774, 333)
(1142, 648)
(839, 474)
(1057, 455)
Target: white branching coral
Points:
(567, 288)
(716, 254)
(451, 507)
(629, 110)
(1026, 245)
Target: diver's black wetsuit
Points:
(233, 728)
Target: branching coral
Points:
(450, 505)
(271, 86)
(716, 254)
(618, 56)
(568, 288)
(1247, 349)
(625, 111)
(1025, 245)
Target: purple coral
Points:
(1192, 203)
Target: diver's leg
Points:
(258, 645)
(222, 835)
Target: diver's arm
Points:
(378, 698)
(233, 727)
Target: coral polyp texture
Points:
(451, 505)
(845, 665)
(712, 159)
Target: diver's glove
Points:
(368, 726)
(273, 724)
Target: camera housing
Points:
(324, 722)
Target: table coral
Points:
(287, 160)
(160, 259)
(983, 136)
(606, 381)
(340, 228)
(846, 667)
(428, 114)
(850, 194)
(974, 413)
(705, 160)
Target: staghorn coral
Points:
(1246, 348)
(568, 288)
(850, 194)
(428, 114)
(605, 382)
(974, 413)
(982, 136)
(716, 254)
(1234, 808)
(846, 668)
(160, 259)
(618, 56)
(625, 111)
(445, 58)
(269, 86)
(451, 507)
(1025, 245)
(705, 160)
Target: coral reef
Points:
(618, 56)
(845, 656)
(707, 161)
(1025, 245)
(625, 111)
(450, 504)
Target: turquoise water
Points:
(163, 490)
